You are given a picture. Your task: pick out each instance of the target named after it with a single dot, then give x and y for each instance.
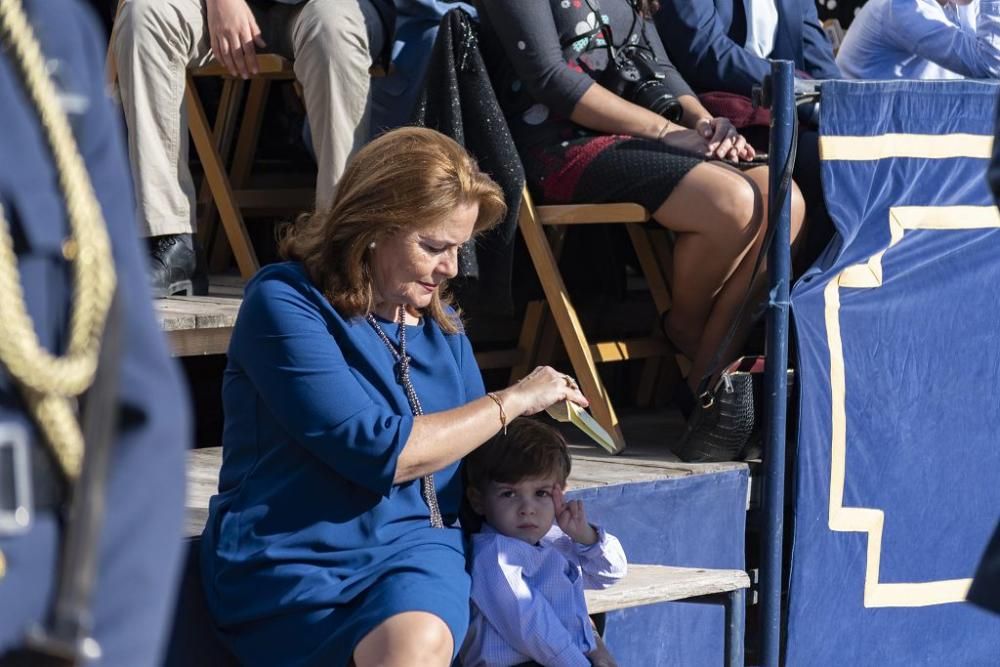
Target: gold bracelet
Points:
(503, 415)
(663, 131)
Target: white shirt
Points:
(762, 26)
(527, 599)
(920, 39)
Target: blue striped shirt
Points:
(527, 600)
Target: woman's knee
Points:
(717, 202)
(410, 638)
(738, 212)
(798, 210)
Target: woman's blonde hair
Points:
(404, 179)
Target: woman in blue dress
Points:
(350, 396)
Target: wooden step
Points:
(588, 471)
(650, 584)
(199, 325)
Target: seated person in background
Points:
(350, 396)
(395, 95)
(154, 42)
(727, 45)
(584, 136)
(534, 556)
(923, 39)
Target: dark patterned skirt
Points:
(596, 169)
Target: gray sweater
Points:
(543, 55)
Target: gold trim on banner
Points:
(862, 519)
(929, 146)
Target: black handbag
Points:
(725, 417)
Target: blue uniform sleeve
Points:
(142, 543)
(922, 28)
(282, 342)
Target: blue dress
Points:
(309, 545)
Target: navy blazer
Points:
(705, 42)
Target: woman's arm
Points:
(527, 31)
(601, 110)
(439, 439)
(283, 344)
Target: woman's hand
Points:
(688, 140)
(541, 388)
(572, 519)
(233, 32)
(724, 141)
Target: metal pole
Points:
(735, 624)
(775, 375)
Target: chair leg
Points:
(527, 342)
(222, 136)
(218, 182)
(655, 280)
(567, 321)
(246, 148)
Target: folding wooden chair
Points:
(213, 196)
(208, 141)
(584, 355)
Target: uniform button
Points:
(69, 249)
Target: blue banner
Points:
(898, 326)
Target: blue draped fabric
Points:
(694, 521)
(898, 458)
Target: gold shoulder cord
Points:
(51, 384)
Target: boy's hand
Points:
(572, 519)
(600, 656)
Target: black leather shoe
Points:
(175, 267)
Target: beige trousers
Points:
(155, 41)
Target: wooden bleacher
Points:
(199, 325)
(645, 584)
(591, 468)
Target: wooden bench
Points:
(652, 584)
(200, 325)
(644, 584)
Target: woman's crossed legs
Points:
(719, 215)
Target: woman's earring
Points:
(371, 246)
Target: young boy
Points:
(533, 557)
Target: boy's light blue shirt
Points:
(920, 39)
(527, 600)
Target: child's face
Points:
(522, 510)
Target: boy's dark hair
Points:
(528, 449)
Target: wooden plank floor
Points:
(199, 325)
